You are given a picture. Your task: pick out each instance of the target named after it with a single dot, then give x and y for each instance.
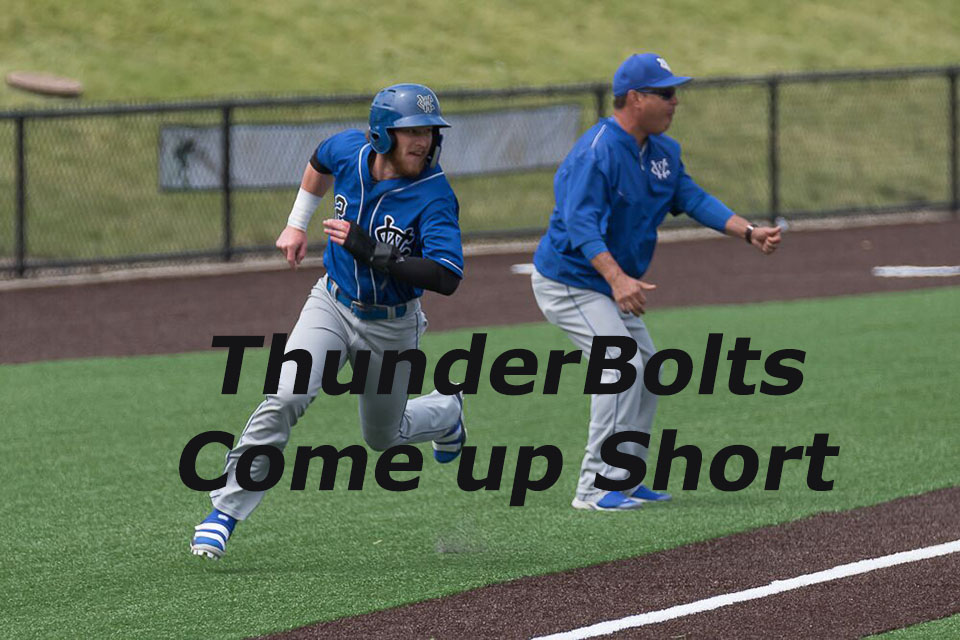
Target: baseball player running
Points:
(395, 233)
(612, 191)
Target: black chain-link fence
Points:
(145, 183)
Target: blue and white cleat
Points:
(210, 536)
(447, 447)
(612, 501)
(643, 494)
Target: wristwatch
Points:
(749, 233)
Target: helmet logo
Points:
(426, 103)
(663, 65)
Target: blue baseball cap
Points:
(641, 71)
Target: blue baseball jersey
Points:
(611, 194)
(419, 216)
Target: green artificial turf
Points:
(96, 522)
(943, 628)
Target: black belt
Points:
(363, 310)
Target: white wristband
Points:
(303, 208)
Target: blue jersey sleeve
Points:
(585, 208)
(440, 234)
(336, 151)
(698, 204)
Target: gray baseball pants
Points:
(583, 314)
(385, 420)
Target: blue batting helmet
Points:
(399, 106)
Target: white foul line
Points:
(910, 271)
(775, 587)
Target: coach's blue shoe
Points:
(644, 494)
(447, 447)
(612, 501)
(211, 535)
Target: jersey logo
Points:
(426, 103)
(663, 65)
(402, 239)
(340, 206)
(660, 169)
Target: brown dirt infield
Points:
(182, 314)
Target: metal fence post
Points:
(774, 155)
(21, 206)
(227, 193)
(954, 161)
(601, 94)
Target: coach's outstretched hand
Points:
(630, 293)
(766, 239)
(293, 244)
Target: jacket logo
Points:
(402, 239)
(660, 169)
(340, 206)
(426, 103)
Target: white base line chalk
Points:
(775, 587)
(522, 269)
(908, 271)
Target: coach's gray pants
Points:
(583, 314)
(386, 420)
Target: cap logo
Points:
(426, 103)
(663, 65)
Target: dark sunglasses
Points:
(666, 93)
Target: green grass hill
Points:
(125, 49)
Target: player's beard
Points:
(407, 165)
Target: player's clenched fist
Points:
(293, 244)
(337, 230)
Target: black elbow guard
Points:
(448, 282)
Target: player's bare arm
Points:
(292, 242)
(764, 238)
(628, 292)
